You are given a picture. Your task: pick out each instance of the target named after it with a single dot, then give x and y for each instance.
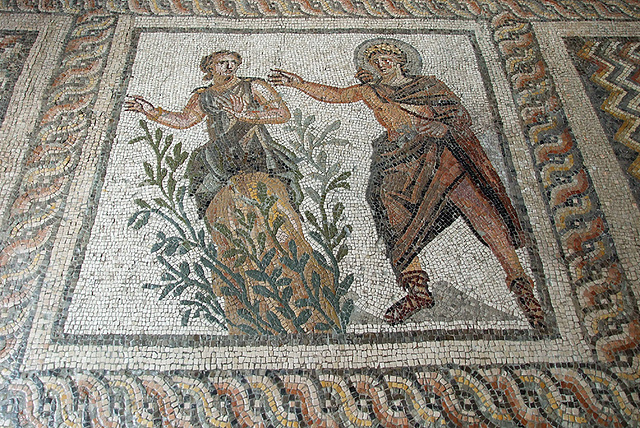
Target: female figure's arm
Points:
(190, 115)
(272, 109)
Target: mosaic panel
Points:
(321, 222)
(159, 262)
(347, 130)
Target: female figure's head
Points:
(220, 65)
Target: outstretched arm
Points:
(324, 93)
(190, 115)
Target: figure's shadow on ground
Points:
(450, 304)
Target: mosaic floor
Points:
(397, 213)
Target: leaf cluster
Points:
(191, 280)
(181, 237)
(331, 229)
(266, 272)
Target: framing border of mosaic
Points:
(24, 107)
(623, 219)
(603, 394)
(604, 293)
(32, 218)
(25, 102)
(44, 353)
(465, 9)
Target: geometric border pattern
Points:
(493, 396)
(603, 394)
(36, 211)
(616, 74)
(462, 9)
(609, 309)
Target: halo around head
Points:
(414, 60)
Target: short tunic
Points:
(235, 147)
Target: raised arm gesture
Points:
(138, 104)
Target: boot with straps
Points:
(418, 297)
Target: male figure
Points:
(427, 169)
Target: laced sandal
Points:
(522, 287)
(419, 297)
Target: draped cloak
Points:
(413, 175)
(236, 147)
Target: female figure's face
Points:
(224, 66)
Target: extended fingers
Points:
(277, 78)
(238, 104)
(226, 104)
(232, 103)
(137, 98)
(282, 77)
(132, 106)
(282, 72)
(137, 103)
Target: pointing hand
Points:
(284, 78)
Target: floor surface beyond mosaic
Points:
(329, 213)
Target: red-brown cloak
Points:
(412, 176)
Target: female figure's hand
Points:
(232, 104)
(138, 104)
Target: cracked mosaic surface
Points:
(330, 221)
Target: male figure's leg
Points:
(405, 250)
(488, 223)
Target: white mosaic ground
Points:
(45, 350)
(109, 298)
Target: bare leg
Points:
(487, 222)
(414, 265)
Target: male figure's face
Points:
(224, 65)
(386, 64)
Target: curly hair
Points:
(386, 49)
(208, 60)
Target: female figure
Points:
(228, 174)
